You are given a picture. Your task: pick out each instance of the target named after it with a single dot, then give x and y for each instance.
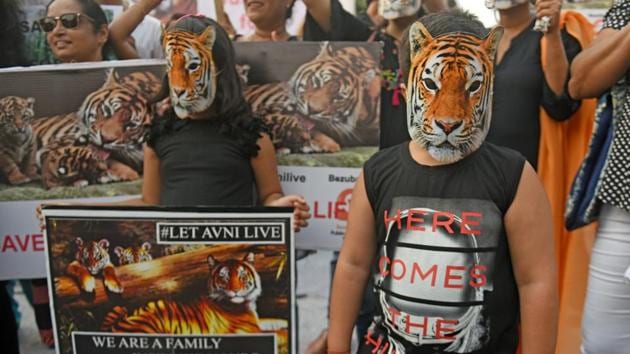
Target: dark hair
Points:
(230, 109)
(11, 36)
(94, 10)
(440, 23)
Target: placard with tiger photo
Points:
(171, 280)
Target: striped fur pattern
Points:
(18, 146)
(288, 131)
(192, 73)
(70, 162)
(92, 258)
(229, 307)
(113, 118)
(339, 91)
(133, 254)
(330, 102)
(449, 94)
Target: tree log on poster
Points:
(162, 277)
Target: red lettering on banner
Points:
(8, 243)
(448, 277)
(442, 331)
(17, 243)
(343, 200)
(38, 242)
(467, 223)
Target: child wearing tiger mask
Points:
(444, 223)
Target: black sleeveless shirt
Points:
(199, 165)
(442, 273)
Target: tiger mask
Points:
(191, 70)
(449, 95)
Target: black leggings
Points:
(10, 343)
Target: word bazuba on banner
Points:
(171, 280)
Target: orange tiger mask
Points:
(449, 95)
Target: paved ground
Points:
(313, 284)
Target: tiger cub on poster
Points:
(133, 254)
(17, 141)
(229, 306)
(90, 259)
(70, 162)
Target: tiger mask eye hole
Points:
(192, 66)
(474, 86)
(430, 84)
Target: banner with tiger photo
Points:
(75, 131)
(156, 280)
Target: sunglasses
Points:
(69, 20)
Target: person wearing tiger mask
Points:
(444, 223)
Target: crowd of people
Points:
(473, 121)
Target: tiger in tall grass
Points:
(114, 118)
(90, 259)
(18, 146)
(229, 306)
(71, 162)
(330, 102)
(449, 92)
(133, 254)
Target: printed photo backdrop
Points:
(160, 280)
(76, 131)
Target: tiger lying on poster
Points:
(229, 307)
(330, 102)
(90, 259)
(113, 118)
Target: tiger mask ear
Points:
(207, 37)
(325, 51)
(118, 251)
(419, 36)
(491, 42)
(146, 246)
(249, 257)
(212, 262)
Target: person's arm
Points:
(528, 225)
(268, 184)
(353, 270)
(319, 10)
(601, 64)
(121, 28)
(555, 60)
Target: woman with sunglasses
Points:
(77, 31)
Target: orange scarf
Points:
(562, 148)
